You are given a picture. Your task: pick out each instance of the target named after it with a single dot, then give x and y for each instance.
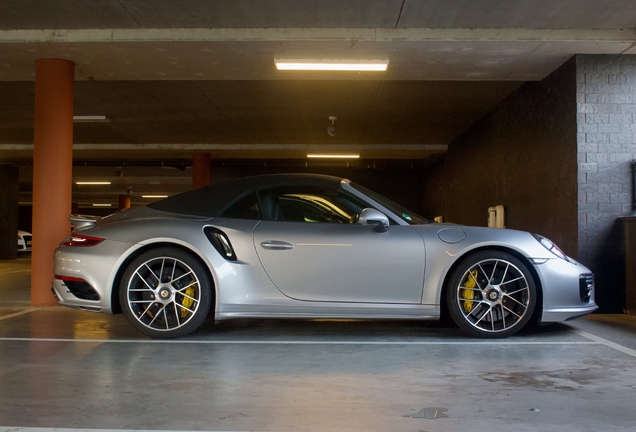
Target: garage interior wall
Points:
(606, 120)
(9, 192)
(522, 155)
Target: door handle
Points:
(276, 245)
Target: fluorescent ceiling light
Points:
(330, 64)
(92, 182)
(333, 156)
(154, 196)
(91, 119)
(102, 205)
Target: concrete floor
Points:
(61, 368)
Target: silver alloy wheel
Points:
(163, 294)
(494, 295)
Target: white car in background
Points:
(25, 240)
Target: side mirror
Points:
(370, 216)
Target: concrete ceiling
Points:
(175, 77)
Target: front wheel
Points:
(165, 293)
(491, 294)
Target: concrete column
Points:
(124, 202)
(52, 170)
(9, 192)
(201, 169)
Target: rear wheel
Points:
(165, 293)
(491, 294)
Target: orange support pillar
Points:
(201, 169)
(52, 170)
(124, 202)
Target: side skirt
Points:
(331, 311)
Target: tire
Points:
(491, 294)
(165, 293)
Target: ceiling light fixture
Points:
(91, 119)
(331, 64)
(92, 183)
(333, 156)
(102, 205)
(154, 196)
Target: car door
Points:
(312, 249)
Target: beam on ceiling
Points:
(313, 34)
(205, 147)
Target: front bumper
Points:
(563, 299)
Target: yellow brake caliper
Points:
(187, 301)
(469, 294)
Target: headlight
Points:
(549, 245)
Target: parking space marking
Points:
(2, 273)
(290, 342)
(43, 429)
(26, 311)
(605, 342)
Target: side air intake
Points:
(221, 243)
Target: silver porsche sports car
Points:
(310, 246)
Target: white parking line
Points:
(2, 273)
(594, 340)
(41, 429)
(605, 342)
(26, 311)
(291, 342)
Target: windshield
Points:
(404, 213)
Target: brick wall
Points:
(522, 155)
(606, 145)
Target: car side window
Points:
(309, 204)
(245, 208)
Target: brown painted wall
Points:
(521, 155)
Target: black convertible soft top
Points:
(211, 200)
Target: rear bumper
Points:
(66, 298)
(96, 265)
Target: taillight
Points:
(82, 240)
